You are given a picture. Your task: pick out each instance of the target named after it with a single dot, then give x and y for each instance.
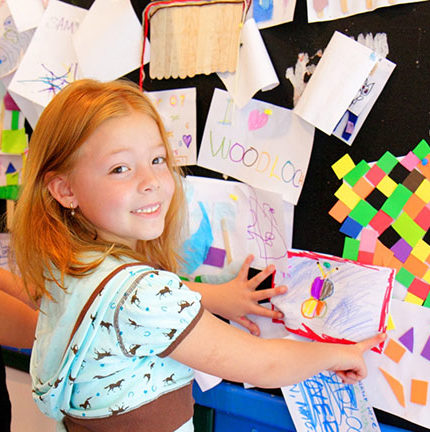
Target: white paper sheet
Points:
(338, 76)
(177, 108)
(324, 10)
(269, 13)
(333, 299)
(254, 68)
(323, 403)
(50, 62)
(108, 43)
(26, 13)
(365, 99)
(262, 144)
(411, 366)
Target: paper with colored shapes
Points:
(243, 220)
(108, 42)
(323, 403)
(412, 366)
(254, 71)
(325, 10)
(178, 111)
(27, 14)
(262, 144)
(338, 76)
(333, 299)
(270, 13)
(50, 62)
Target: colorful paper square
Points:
(401, 250)
(399, 173)
(415, 266)
(368, 240)
(411, 298)
(363, 188)
(426, 277)
(353, 176)
(350, 227)
(421, 250)
(376, 198)
(413, 206)
(419, 390)
(215, 257)
(382, 255)
(423, 219)
(404, 277)
(347, 196)
(387, 162)
(419, 288)
(375, 175)
(410, 161)
(365, 257)
(387, 186)
(363, 213)
(413, 180)
(394, 204)
(389, 237)
(421, 150)
(408, 229)
(423, 191)
(343, 166)
(339, 211)
(350, 248)
(394, 351)
(381, 221)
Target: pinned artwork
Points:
(178, 111)
(325, 10)
(50, 62)
(384, 211)
(330, 299)
(27, 14)
(262, 144)
(193, 39)
(270, 13)
(324, 403)
(398, 380)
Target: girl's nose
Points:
(148, 183)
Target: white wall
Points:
(26, 417)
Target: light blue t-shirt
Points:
(116, 360)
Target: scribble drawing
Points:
(364, 91)
(52, 83)
(264, 229)
(321, 289)
(328, 404)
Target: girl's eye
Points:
(159, 160)
(119, 169)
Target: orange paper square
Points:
(382, 255)
(419, 391)
(394, 350)
(413, 206)
(425, 169)
(395, 263)
(339, 211)
(363, 188)
(415, 266)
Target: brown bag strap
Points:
(95, 293)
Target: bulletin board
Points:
(399, 119)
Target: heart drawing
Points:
(257, 120)
(187, 140)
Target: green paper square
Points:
(9, 192)
(408, 229)
(350, 248)
(421, 150)
(357, 172)
(427, 302)
(387, 162)
(363, 213)
(395, 202)
(404, 277)
(13, 141)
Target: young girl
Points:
(96, 234)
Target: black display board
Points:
(398, 121)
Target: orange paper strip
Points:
(396, 387)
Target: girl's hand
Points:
(238, 297)
(351, 367)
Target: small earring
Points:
(72, 210)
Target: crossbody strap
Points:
(95, 293)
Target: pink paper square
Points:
(410, 161)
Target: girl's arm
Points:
(12, 284)
(18, 322)
(235, 299)
(220, 349)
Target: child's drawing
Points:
(178, 111)
(323, 403)
(348, 303)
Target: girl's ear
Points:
(60, 189)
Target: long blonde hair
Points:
(44, 234)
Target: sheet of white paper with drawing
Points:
(262, 144)
(4, 250)
(108, 42)
(332, 299)
(50, 62)
(242, 220)
(338, 76)
(177, 108)
(271, 13)
(323, 403)
(26, 13)
(254, 68)
(405, 390)
(364, 100)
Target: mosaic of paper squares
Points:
(384, 210)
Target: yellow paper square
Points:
(410, 298)
(12, 179)
(343, 166)
(426, 277)
(347, 196)
(421, 250)
(423, 191)
(387, 186)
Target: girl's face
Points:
(121, 182)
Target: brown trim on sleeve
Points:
(181, 337)
(165, 414)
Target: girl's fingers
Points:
(251, 326)
(243, 272)
(267, 313)
(259, 277)
(371, 342)
(269, 292)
